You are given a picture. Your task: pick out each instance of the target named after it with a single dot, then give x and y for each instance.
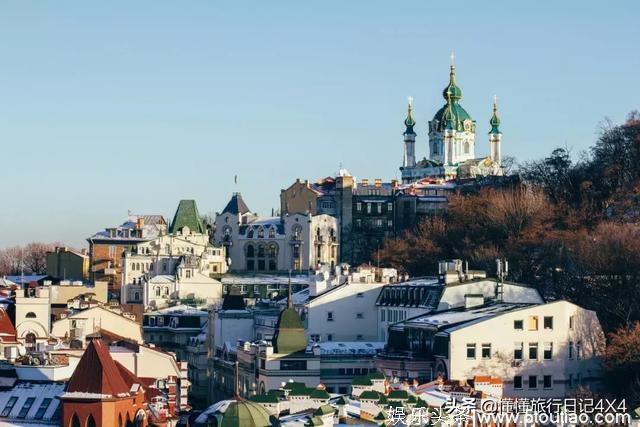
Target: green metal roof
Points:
(319, 394)
(341, 401)
(370, 395)
(314, 421)
(377, 375)
(361, 381)
(245, 414)
(187, 215)
(409, 122)
(495, 119)
(265, 398)
(452, 88)
(289, 336)
(324, 410)
(398, 394)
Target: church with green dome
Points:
(452, 142)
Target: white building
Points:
(77, 325)
(174, 266)
(33, 315)
(295, 242)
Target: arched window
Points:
(31, 315)
(273, 251)
(250, 251)
(260, 233)
(250, 233)
(157, 291)
(297, 232)
(272, 233)
(90, 421)
(75, 422)
(166, 290)
(261, 251)
(120, 423)
(466, 147)
(136, 296)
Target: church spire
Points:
(452, 90)
(409, 122)
(449, 119)
(495, 119)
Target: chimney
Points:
(140, 223)
(365, 182)
(394, 183)
(378, 182)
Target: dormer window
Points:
(261, 233)
(250, 233)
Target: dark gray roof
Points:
(236, 205)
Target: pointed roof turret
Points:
(495, 119)
(452, 115)
(452, 88)
(236, 205)
(187, 215)
(289, 336)
(409, 122)
(448, 116)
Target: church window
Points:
(75, 422)
(250, 233)
(261, 233)
(31, 315)
(250, 251)
(90, 421)
(466, 147)
(166, 290)
(158, 291)
(272, 233)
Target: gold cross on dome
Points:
(410, 99)
(453, 58)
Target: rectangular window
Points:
(570, 322)
(389, 207)
(315, 337)
(579, 350)
(518, 324)
(43, 408)
(9, 406)
(533, 381)
(152, 321)
(390, 223)
(358, 223)
(471, 351)
(359, 206)
(517, 351)
(547, 382)
(570, 350)
(533, 351)
(486, 351)
(329, 316)
(293, 365)
(25, 408)
(383, 315)
(359, 316)
(329, 337)
(548, 351)
(548, 322)
(368, 208)
(517, 381)
(533, 323)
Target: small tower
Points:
(495, 136)
(449, 131)
(409, 137)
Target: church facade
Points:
(452, 142)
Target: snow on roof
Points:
(38, 391)
(220, 407)
(455, 319)
(299, 298)
(264, 279)
(6, 283)
(349, 347)
(179, 310)
(162, 278)
(266, 222)
(27, 278)
(420, 281)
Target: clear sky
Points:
(117, 105)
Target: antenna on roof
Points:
(235, 179)
(236, 388)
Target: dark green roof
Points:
(454, 114)
(421, 404)
(495, 119)
(409, 122)
(187, 215)
(319, 394)
(341, 401)
(452, 90)
(398, 394)
(396, 404)
(264, 398)
(383, 399)
(314, 421)
(245, 414)
(411, 399)
(377, 375)
(369, 395)
(301, 392)
(381, 416)
(292, 385)
(324, 410)
(361, 381)
(289, 336)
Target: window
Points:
(188, 272)
(548, 351)
(25, 408)
(533, 351)
(518, 324)
(548, 322)
(390, 223)
(315, 337)
(570, 322)
(293, 365)
(579, 350)
(533, 323)
(547, 382)
(570, 350)
(533, 381)
(471, 351)
(486, 351)
(152, 321)
(329, 316)
(517, 381)
(329, 337)
(31, 315)
(517, 351)
(379, 207)
(359, 316)
(389, 207)
(9, 406)
(383, 315)
(368, 208)
(359, 337)
(358, 223)
(359, 206)
(43, 408)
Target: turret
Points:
(409, 137)
(495, 136)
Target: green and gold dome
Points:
(452, 116)
(235, 413)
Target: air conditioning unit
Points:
(516, 363)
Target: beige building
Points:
(67, 264)
(300, 197)
(33, 315)
(78, 325)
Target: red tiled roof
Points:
(128, 376)
(7, 330)
(97, 372)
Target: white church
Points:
(452, 142)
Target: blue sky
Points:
(111, 106)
